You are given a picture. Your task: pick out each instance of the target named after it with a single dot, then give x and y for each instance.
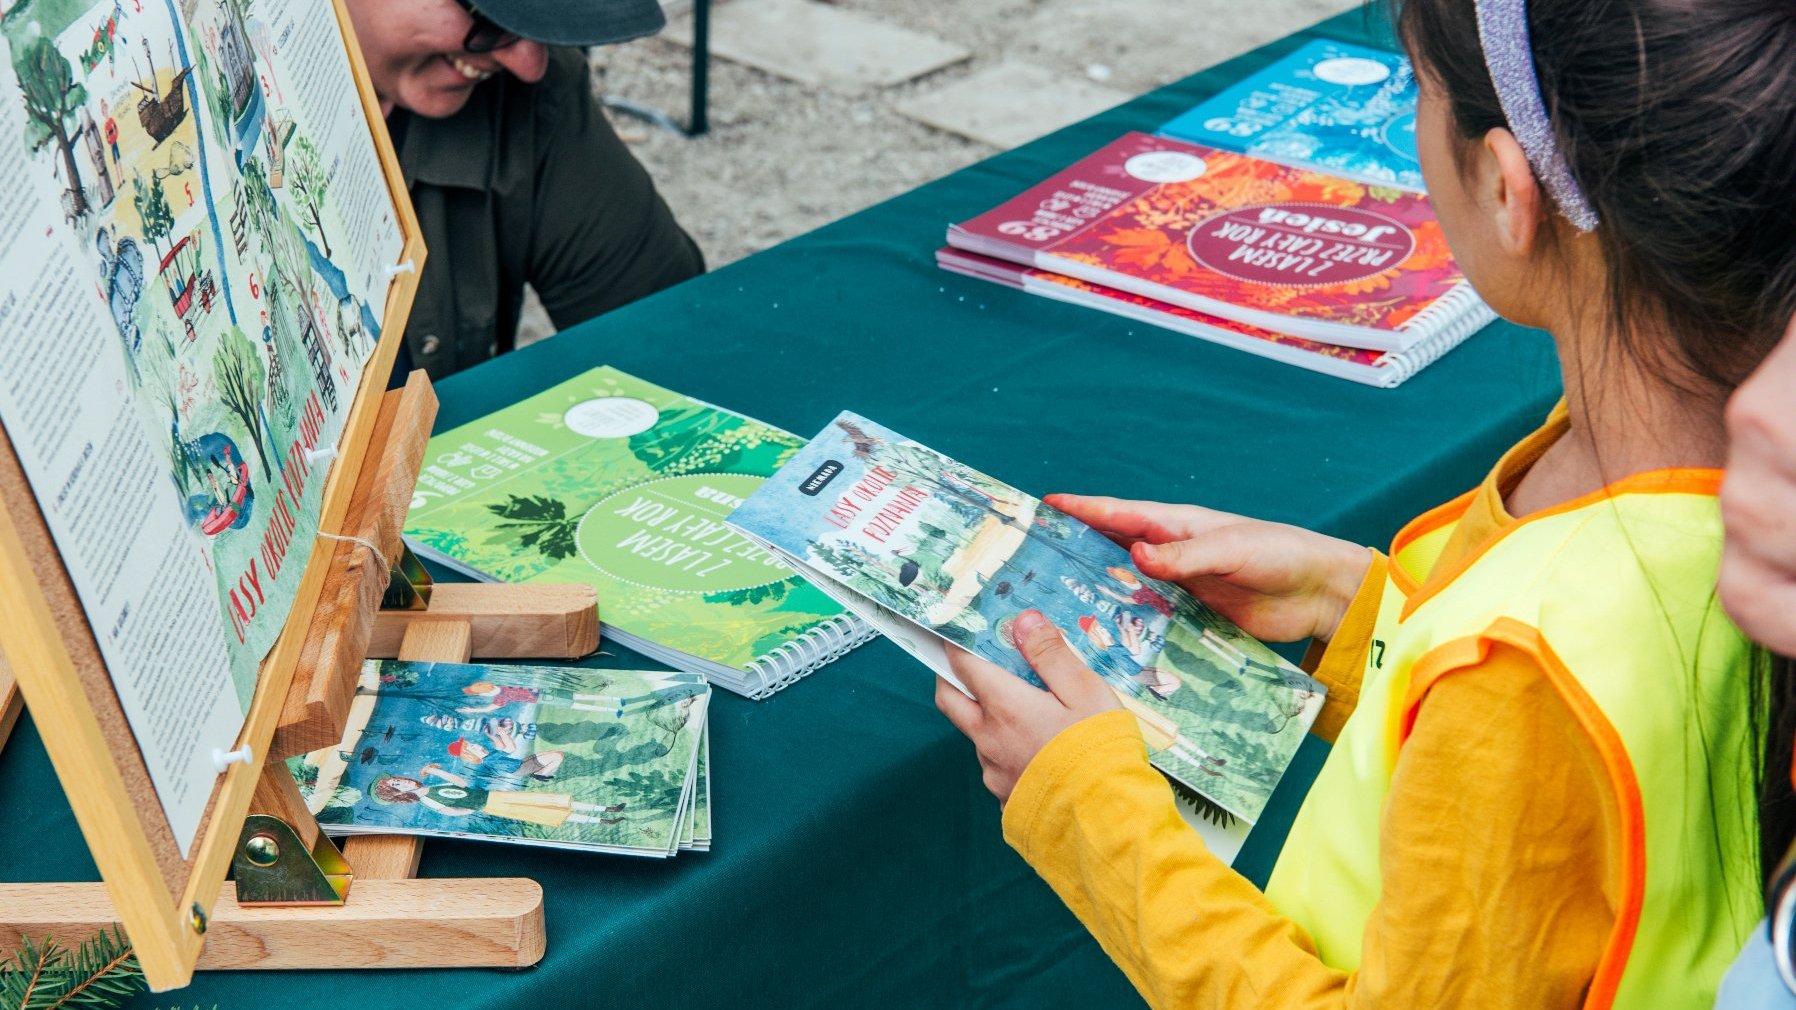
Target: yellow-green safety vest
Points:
(1613, 594)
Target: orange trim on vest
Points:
(1683, 480)
(1431, 520)
(1465, 653)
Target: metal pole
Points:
(701, 68)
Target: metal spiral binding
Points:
(818, 647)
(1459, 311)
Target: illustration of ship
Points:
(161, 113)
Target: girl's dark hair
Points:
(1678, 120)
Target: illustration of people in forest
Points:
(504, 725)
(492, 697)
(540, 766)
(1139, 594)
(453, 796)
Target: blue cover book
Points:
(1342, 108)
(930, 551)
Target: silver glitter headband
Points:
(1509, 55)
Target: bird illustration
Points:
(1003, 589)
(907, 572)
(863, 443)
(368, 755)
(387, 737)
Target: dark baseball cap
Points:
(575, 22)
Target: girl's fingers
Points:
(991, 684)
(1055, 662)
(1185, 559)
(961, 710)
(1143, 520)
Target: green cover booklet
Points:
(933, 552)
(610, 481)
(607, 760)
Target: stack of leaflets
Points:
(931, 552)
(602, 760)
(610, 481)
(1289, 225)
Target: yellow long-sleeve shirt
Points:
(1497, 858)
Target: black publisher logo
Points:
(820, 480)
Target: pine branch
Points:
(25, 975)
(105, 972)
(99, 975)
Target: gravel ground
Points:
(810, 155)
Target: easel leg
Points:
(11, 702)
(395, 857)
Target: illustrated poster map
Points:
(195, 245)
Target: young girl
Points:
(1543, 794)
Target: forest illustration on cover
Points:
(594, 758)
(961, 554)
(637, 516)
(209, 213)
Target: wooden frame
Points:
(166, 902)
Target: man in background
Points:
(516, 175)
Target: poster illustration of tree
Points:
(180, 345)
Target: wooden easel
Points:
(367, 911)
(389, 919)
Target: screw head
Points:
(197, 917)
(262, 850)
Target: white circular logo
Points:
(1350, 70)
(1165, 166)
(611, 417)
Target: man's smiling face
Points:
(414, 53)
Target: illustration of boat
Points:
(161, 113)
(225, 512)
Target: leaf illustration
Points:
(538, 522)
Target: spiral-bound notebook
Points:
(611, 481)
(1282, 248)
(1386, 369)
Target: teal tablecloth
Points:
(858, 862)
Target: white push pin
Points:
(223, 759)
(317, 456)
(402, 267)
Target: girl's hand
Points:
(1013, 720)
(1758, 502)
(1279, 583)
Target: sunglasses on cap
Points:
(485, 36)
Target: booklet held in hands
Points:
(931, 552)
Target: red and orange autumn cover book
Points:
(1288, 249)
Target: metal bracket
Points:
(408, 585)
(273, 867)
